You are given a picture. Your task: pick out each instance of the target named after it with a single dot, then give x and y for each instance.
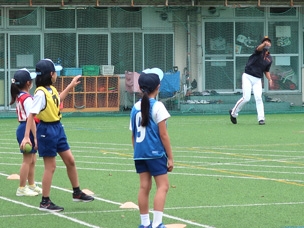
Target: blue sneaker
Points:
(142, 226)
(161, 226)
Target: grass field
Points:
(225, 175)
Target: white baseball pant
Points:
(255, 84)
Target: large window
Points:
(61, 47)
(247, 36)
(59, 18)
(23, 17)
(219, 75)
(228, 46)
(2, 89)
(285, 51)
(219, 51)
(219, 38)
(284, 35)
(24, 51)
(126, 17)
(93, 49)
(2, 51)
(83, 44)
(122, 52)
(158, 51)
(92, 18)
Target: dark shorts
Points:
(155, 167)
(51, 139)
(20, 135)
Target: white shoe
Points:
(36, 189)
(204, 102)
(25, 191)
(190, 102)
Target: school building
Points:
(207, 42)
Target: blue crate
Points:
(170, 84)
(71, 71)
(58, 72)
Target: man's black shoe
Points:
(261, 122)
(233, 119)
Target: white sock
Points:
(145, 219)
(157, 218)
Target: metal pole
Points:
(188, 48)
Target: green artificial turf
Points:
(225, 175)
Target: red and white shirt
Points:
(23, 105)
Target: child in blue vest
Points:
(152, 150)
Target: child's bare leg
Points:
(144, 190)
(49, 169)
(24, 169)
(31, 173)
(143, 197)
(162, 184)
(69, 162)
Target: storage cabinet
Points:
(94, 93)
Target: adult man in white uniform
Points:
(259, 63)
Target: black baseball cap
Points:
(22, 76)
(46, 66)
(149, 79)
(266, 38)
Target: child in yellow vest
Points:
(51, 136)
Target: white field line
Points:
(236, 161)
(190, 168)
(239, 160)
(165, 215)
(194, 150)
(240, 177)
(234, 148)
(174, 173)
(53, 213)
(183, 167)
(200, 160)
(66, 213)
(236, 205)
(228, 156)
(62, 214)
(167, 208)
(100, 199)
(183, 173)
(248, 158)
(266, 154)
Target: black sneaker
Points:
(233, 119)
(50, 206)
(82, 197)
(261, 122)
